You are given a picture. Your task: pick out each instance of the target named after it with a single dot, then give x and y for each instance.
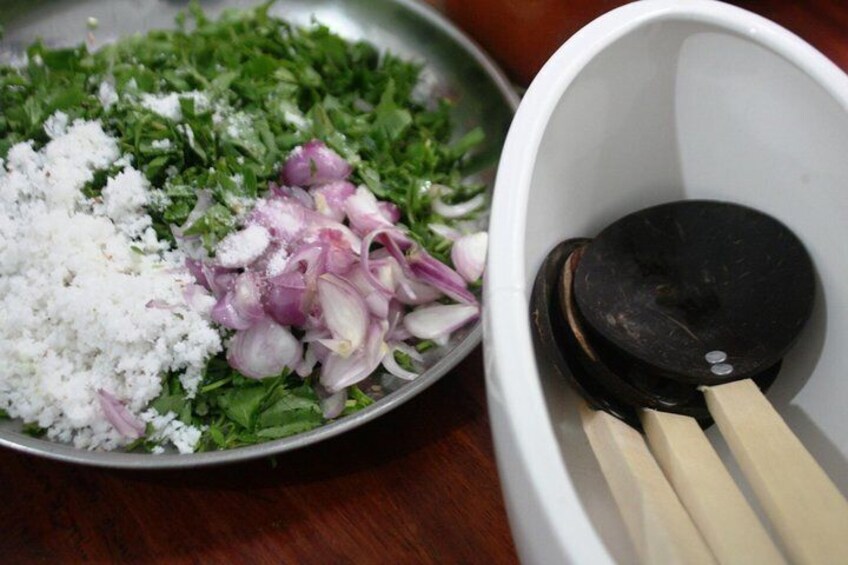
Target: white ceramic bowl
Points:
(656, 101)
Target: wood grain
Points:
(416, 486)
(806, 508)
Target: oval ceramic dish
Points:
(657, 101)
(454, 67)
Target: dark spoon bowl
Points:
(604, 377)
(669, 284)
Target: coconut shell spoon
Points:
(655, 519)
(658, 524)
(710, 295)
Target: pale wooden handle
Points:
(716, 505)
(807, 510)
(659, 526)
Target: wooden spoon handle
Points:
(714, 501)
(661, 530)
(807, 510)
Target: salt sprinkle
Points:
(241, 248)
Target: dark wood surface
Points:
(417, 486)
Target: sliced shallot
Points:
(393, 367)
(119, 415)
(285, 299)
(458, 210)
(468, 255)
(339, 372)
(430, 270)
(330, 198)
(440, 320)
(314, 163)
(345, 313)
(241, 306)
(263, 350)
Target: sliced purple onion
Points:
(124, 421)
(345, 312)
(196, 268)
(392, 366)
(199, 300)
(285, 299)
(314, 163)
(284, 218)
(468, 255)
(294, 192)
(458, 210)
(332, 405)
(339, 372)
(241, 306)
(440, 320)
(393, 240)
(376, 300)
(290, 223)
(447, 232)
(159, 305)
(430, 270)
(307, 259)
(364, 213)
(330, 199)
(390, 211)
(365, 261)
(414, 292)
(396, 331)
(307, 364)
(219, 280)
(263, 350)
(338, 256)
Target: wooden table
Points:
(417, 486)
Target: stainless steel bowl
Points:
(453, 66)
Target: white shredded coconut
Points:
(76, 294)
(124, 198)
(183, 436)
(238, 124)
(168, 105)
(56, 125)
(297, 120)
(221, 111)
(163, 144)
(124, 161)
(188, 132)
(107, 95)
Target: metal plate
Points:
(453, 66)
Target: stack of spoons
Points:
(671, 318)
